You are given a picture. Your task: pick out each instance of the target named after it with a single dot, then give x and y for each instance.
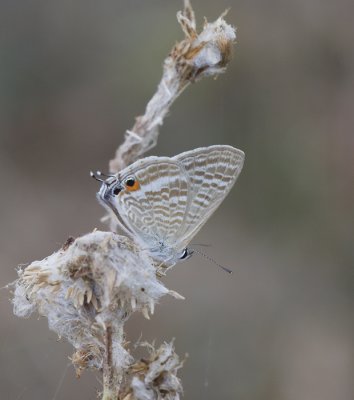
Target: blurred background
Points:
(73, 75)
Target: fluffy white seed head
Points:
(95, 280)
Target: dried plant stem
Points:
(110, 389)
(90, 287)
(197, 55)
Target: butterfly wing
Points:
(173, 197)
(212, 172)
(154, 212)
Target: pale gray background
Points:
(74, 74)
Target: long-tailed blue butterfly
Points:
(162, 202)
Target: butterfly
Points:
(162, 202)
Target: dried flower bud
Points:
(156, 376)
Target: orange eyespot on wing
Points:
(131, 184)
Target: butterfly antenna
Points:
(105, 175)
(213, 261)
(95, 176)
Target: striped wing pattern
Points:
(156, 211)
(176, 196)
(212, 172)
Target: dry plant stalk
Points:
(90, 287)
(195, 57)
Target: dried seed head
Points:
(95, 280)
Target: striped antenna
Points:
(229, 271)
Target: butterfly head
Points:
(113, 185)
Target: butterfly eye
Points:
(117, 190)
(131, 184)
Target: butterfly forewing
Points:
(212, 171)
(155, 211)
